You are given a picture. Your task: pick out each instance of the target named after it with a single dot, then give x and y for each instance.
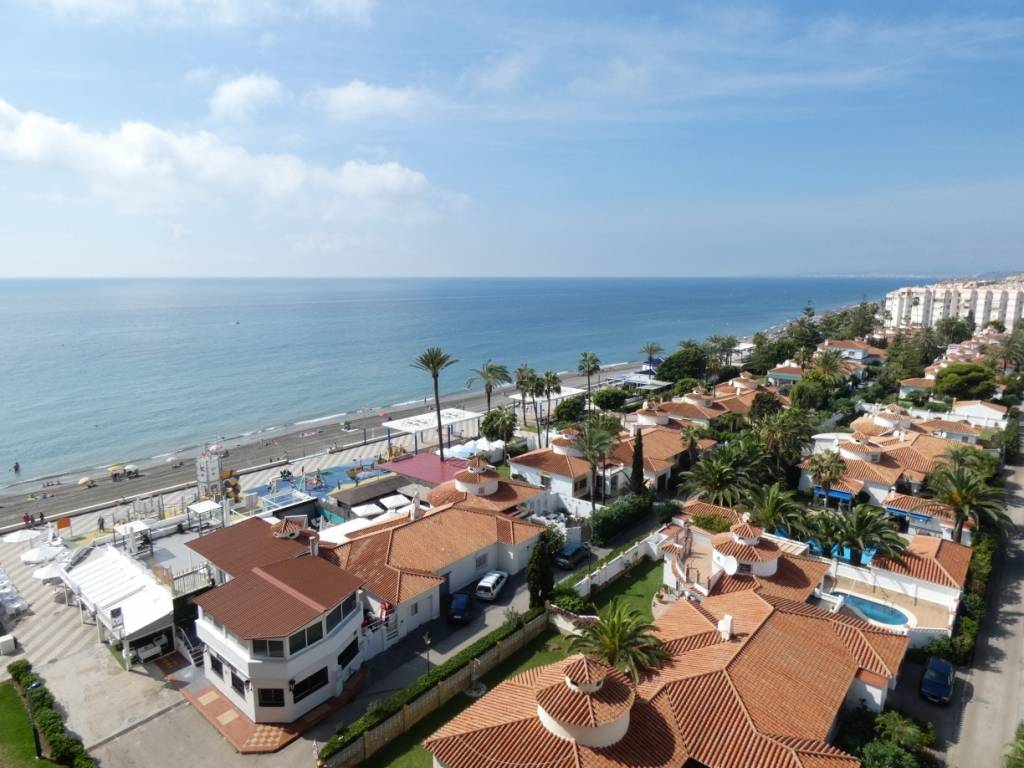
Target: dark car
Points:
(461, 609)
(937, 680)
(572, 556)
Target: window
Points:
(270, 697)
(216, 666)
(334, 618)
(481, 560)
(350, 604)
(415, 609)
(744, 568)
(297, 641)
(273, 649)
(580, 484)
(313, 683)
(346, 656)
(238, 684)
(314, 633)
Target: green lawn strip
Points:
(636, 588)
(407, 752)
(17, 750)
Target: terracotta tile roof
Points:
(507, 498)
(245, 545)
(985, 403)
(795, 579)
(747, 531)
(918, 382)
(791, 370)
(944, 425)
(696, 507)
(921, 506)
(546, 460)
(275, 600)
(930, 558)
(749, 553)
(476, 478)
(401, 561)
(574, 706)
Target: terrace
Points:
(926, 615)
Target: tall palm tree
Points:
(867, 527)
(828, 368)
(492, 375)
(651, 350)
(536, 390)
(691, 435)
(433, 360)
(622, 638)
(552, 384)
(716, 480)
(523, 382)
(825, 469)
(802, 357)
(589, 364)
(594, 440)
(971, 499)
(784, 435)
(774, 508)
(822, 527)
(964, 456)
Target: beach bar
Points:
(425, 423)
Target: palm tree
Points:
(594, 440)
(774, 508)
(536, 390)
(716, 480)
(867, 527)
(820, 526)
(552, 386)
(965, 456)
(784, 435)
(623, 638)
(492, 375)
(651, 350)
(589, 364)
(499, 423)
(802, 357)
(433, 361)
(825, 469)
(828, 368)
(971, 499)
(691, 436)
(524, 378)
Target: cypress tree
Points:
(539, 578)
(636, 479)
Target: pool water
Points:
(883, 614)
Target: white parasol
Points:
(19, 537)
(43, 554)
(47, 572)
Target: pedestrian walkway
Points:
(51, 630)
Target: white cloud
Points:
(358, 101)
(142, 168)
(238, 99)
(498, 75)
(193, 12)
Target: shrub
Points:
(18, 670)
(1014, 757)
(904, 732)
(610, 399)
(711, 523)
(49, 723)
(621, 513)
(39, 698)
(568, 600)
(82, 760)
(64, 749)
(570, 409)
(856, 728)
(664, 511)
(936, 407)
(684, 385)
(885, 754)
(516, 448)
(939, 646)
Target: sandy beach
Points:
(293, 441)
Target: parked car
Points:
(490, 586)
(937, 680)
(460, 611)
(572, 556)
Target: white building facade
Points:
(985, 300)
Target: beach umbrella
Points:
(47, 572)
(19, 537)
(115, 468)
(43, 554)
(130, 467)
(84, 480)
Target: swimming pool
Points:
(875, 611)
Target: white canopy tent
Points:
(368, 510)
(395, 501)
(427, 422)
(109, 579)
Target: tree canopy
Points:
(966, 381)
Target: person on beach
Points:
(42, 518)
(27, 518)
(16, 467)
(101, 524)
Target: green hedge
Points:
(621, 513)
(424, 683)
(65, 749)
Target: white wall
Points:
(873, 697)
(903, 585)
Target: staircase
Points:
(192, 648)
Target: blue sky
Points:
(368, 137)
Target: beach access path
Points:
(305, 445)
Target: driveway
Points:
(994, 687)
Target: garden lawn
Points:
(407, 751)
(636, 588)
(17, 749)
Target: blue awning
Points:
(833, 494)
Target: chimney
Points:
(314, 545)
(725, 627)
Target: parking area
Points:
(946, 719)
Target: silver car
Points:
(490, 586)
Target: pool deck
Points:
(928, 615)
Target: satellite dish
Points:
(730, 565)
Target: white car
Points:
(490, 586)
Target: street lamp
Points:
(426, 639)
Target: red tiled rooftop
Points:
(426, 468)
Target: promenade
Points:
(304, 446)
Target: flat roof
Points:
(426, 468)
(566, 392)
(425, 422)
(639, 379)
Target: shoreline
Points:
(281, 435)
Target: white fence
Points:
(645, 548)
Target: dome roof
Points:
(745, 530)
(729, 545)
(605, 700)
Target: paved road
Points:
(298, 442)
(994, 688)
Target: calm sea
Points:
(94, 371)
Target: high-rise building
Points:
(984, 300)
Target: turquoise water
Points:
(883, 614)
(95, 371)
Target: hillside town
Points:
(767, 552)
